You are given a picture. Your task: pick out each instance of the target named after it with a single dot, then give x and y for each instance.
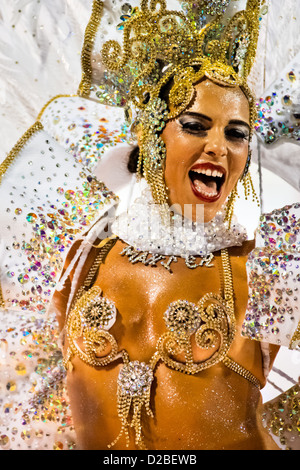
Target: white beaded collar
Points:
(142, 228)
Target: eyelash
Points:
(237, 134)
(196, 127)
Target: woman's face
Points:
(207, 148)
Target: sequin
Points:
(281, 417)
(4, 440)
(23, 278)
(58, 445)
(31, 217)
(277, 112)
(292, 76)
(287, 100)
(20, 369)
(11, 386)
(273, 268)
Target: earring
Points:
(247, 182)
(246, 169)
(229, 209)
(249, 189)
(152, 149)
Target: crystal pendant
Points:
(134, 387)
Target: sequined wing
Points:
(273, 272)
(49, 201)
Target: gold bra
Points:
(211, 321)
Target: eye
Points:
(192, 127)
(236, 134)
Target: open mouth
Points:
(207, 181)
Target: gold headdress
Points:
(174, 49)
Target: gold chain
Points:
(240, 370)
(229, 298)
(37, 126)
(105, 248)
(2, 303)
(94, 337)
(296, 337)
(50, 101)
(228, 281)
(89, 38)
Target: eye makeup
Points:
(197, 123)
(194, 123)
(236, 134)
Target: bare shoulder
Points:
(60, 297)
(242, 250)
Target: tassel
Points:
(134, 388)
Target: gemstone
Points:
(291, 76)
(20, 369)
(135, 379)
(11, 386)
(99, 313)
(58, 445)
(31, 217)
(182, 317)
(286, 100)
(4, 440)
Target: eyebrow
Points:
(191, 113)
(207, 118)
(239, 122)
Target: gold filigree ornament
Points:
(134, 389)
(207, 324)
(88, 323)
(166, 52)
(211, 321)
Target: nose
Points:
(215, 144)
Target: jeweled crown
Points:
(203, 38)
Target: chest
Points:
(143, 292)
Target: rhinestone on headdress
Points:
(161, 44)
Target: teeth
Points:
(214, 173)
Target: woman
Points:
(216, 408)
(151, 308)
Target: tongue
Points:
(205, 183)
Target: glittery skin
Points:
(208, 395)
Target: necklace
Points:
(149, 259)
(144, 230)
(211, 322)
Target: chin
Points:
(197, 206)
